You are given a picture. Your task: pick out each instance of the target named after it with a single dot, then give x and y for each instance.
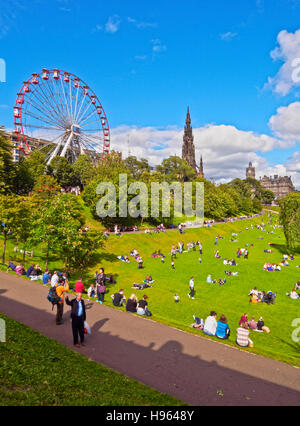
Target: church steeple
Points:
(201, 172)
(188, 148)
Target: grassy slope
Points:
(47, 373)
(231, 299)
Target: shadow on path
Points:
(166, 368)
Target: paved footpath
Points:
(189, 367)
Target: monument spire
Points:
(188, 147)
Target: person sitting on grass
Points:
(252, 324)
(223, 330)
(148, 279)
(118, 298)
(92, 291)
(142, 307)
(244, 319)
(20, 270)
(222, 282)
(46, 277)
(210, 325)
(36, 274)
(261, 326)
(293, 294)
(242, 337)
(131, 304)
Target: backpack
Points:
(53, 297)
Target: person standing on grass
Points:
(79, 286)
(61, 288)
(192, 288)
(172, 264)
(78, 316)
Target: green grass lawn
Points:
(231, 299)
(36, 370)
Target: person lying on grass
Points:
(231, 273)
(198, 323)
(124, 259)
(141, 286)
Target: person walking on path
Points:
(78, 316)
(61, 289)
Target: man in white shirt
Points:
(210, 325)
(192, 288)
(54, 279)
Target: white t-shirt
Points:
(210, 325)
(54, 280)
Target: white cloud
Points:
(228, 36)
(226, 150)
(287, 51)
(157, 46)
(141, 24)
(286, 123)
(113, 24)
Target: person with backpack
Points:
(61, 288)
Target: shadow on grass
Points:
(283, 249)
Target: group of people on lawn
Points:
(221, 330)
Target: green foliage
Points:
(176, 169)
(290, 218)
(137, 167)
(6, 164)
(62, 171)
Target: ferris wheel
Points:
(63, 111)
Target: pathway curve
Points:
(194, 369)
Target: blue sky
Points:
(147, 61)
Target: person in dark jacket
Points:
(131, 304)
(78, 316)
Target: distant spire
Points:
(201, 172)
(188, 118)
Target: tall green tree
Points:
(290, 219)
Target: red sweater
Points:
(79, 287)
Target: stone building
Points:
(280, 186)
